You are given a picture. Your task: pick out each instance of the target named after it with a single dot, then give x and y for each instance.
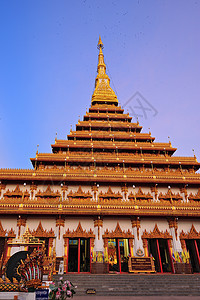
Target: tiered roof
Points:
(106, 148)
(107, 141)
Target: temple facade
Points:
(106, 193)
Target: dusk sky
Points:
(48, 66)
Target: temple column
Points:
(154, 191)
(59, 246)
(173, 226)
(145, 246)
(138, 244)
(98, 228)
(21, 223)
(2, 187)
(50, 246)
(66, 245)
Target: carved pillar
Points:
(21, 221)
(64, 189)
(173, 225)
(138, 245)
(154, 190)
(9, 248)
(105, 244)
(60, 223)
(124, 190)
(183, 245)
(95, 190)
(66, 242)
(50, 246)
(92, 247)
(33, 188)
(185, 193)
(2, 187)
(145, 246)
(131, 247)
(98, 226)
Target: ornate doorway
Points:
(190, 241)
(159, 247)
(118, 245)
(78, 248)
(79, 255)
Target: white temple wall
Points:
(47, 222)
(186, 224)
(9, 222)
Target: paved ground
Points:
(93, 297)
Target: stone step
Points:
(136, 284)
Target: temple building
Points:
(106, 193)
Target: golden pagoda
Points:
(104, 195)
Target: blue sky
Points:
(48, 66)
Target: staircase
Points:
(135, 285)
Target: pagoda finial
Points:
(103, 94)
(100, 44)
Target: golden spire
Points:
(103, 93)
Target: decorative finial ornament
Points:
(194, 155)
(103, 93)
(37, 149)
(100, 44)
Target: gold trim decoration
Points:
(40, 232)
(79, 194)
(79, 233)
(48, 193)
(140, 195)
(109, 195)
(183, 245)
(195, 196)
(2, 231)
(10, 233)
(169, 196)
(156, 234)
(118, 233)
(192, 234)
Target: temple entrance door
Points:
(73, 255)
(153, 251)
(113, 255)
(192, 247)
(118, 252)
(159, 249)
(124, 254)
(79, 255)
(84, 255)
(164, 255)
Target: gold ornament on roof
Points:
(103, 93)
